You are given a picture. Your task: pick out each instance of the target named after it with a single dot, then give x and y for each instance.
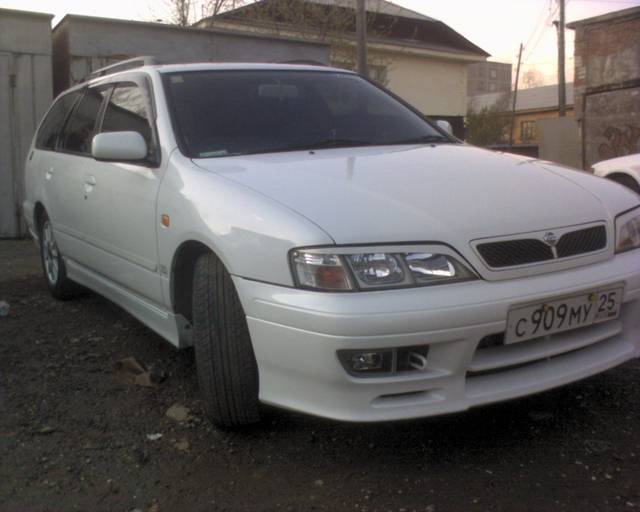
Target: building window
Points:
(527, 131)
(493, 73)
(493, 87)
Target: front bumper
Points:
(296, 335)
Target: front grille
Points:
(515, 252)
(511, 253)
(580, 242)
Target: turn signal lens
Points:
(322, 271)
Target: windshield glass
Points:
(222, 113)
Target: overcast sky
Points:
(497, 26)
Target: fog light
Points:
(356, 361)
(366, 361)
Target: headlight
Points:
(357, 269)
(628, 231)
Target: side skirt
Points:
(160, 320)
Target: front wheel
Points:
(55, 271)
(225, 361)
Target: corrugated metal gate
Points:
(7, 204)
(25, 95)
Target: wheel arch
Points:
(38, 214)
(181, 276)
(620, 176)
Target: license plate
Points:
(554, 316)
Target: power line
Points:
(610, 1)
(547, 25)
(539, 24)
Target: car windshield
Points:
(224, 113)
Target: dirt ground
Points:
(74, 435)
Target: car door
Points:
(119, 215)
(62, 152)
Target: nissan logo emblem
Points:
(551, 239)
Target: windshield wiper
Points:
(307, 146)
(424, 139)
(333, 143)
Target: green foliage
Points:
(489, 125)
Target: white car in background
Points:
(624, 170)
(324, 247)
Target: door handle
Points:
(49, 173)
(90, 180)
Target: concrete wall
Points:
(82, 44)
(435, 87)
(559, 141)
(607, 85)
(25, 95)
(536, 117)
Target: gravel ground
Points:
(74, 434)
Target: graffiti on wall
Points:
(625, 141)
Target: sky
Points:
(497, 26)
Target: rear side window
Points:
(79, 130)
(127, 112)
(52, 124)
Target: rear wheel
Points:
(226, 364)
(627, 181)
(55, 271)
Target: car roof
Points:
(242, 66)
(207, 66)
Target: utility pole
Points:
(515, 96)
(361, 32)
(562, 86)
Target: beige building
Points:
(419, 58)
(532, 105)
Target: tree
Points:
(211, 8)
(187, 12)
(488, 126)
(532, 78)
(181, 11)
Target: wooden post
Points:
(562, 86)
(515, 96)
(361, 32)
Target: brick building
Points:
(607, 84)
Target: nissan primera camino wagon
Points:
(324, 247)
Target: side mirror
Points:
(445, 125)
(119, 146)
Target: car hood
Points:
(449, 193)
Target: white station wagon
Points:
(324, 247)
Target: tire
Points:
(53, 267)
(225, 361)
(628, 182)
